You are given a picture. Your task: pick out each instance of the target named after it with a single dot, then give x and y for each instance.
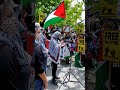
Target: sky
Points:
(83, 13)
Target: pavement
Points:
(62, 70)
(90, 79)
(79, 73)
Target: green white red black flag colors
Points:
(55, 16)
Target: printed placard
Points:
(108, 8)
(81, 48)
(80, 30)
(111, 45)
(81, 44)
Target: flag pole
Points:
(109, 86)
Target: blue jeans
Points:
(39, 84)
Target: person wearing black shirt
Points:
(40, 76)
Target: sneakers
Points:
(54, 82)
(57, 78)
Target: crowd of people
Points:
(42, 51)
(15, 68)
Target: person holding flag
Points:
(55, 16)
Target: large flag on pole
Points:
(55, 16)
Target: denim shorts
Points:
(39, 84)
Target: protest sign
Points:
(81, 48)
(108, 8)
(111, 45)
(80, 30)
(81, 44)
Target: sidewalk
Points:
(61, 71)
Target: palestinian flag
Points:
(56, 16)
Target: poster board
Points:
(108, 8)
(80, 30)
(111, 45)
(81, 44)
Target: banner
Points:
(111, 45)
(78, 60)
(108, 8)
(81, 44)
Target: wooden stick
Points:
(109, 87)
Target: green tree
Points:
(72, 14)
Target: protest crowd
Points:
(49, 46)
(27, 48)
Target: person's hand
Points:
(64, 44)
(45, 89)
(62, 41)
(45, 84)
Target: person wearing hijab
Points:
(40, 57)
(15, 67)
(54, 50)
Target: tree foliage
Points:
(43, 8)
(72, 14)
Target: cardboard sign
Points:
(81, 48)
(81, 44)
(80, 30)
(108, 8)
(111, 46)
